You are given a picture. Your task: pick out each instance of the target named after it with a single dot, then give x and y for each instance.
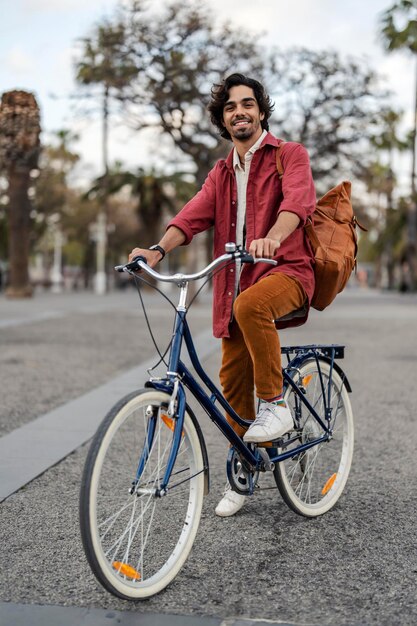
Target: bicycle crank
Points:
(240, 477)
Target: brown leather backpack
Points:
(332, 235)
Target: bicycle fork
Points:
(176, 413)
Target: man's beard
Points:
(244, 133)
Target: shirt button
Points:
(232, 270)
(233, 202)
(230, 293)
(233, 224)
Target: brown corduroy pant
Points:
(251, 356)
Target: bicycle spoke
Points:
(316, 475)
(141, 539)
(128, 528)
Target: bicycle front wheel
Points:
(312, 481)
(135, 540)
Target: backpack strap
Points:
(311, 234)
(308, 226)
(356, 223)
(278, 159)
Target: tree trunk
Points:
(19, 226)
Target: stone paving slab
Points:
(35, 615)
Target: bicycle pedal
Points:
(275, 443)
(268, 465)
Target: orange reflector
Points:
(126, 570)
(168, 421)
(307, 380)
(329, 484)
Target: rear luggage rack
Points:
(332, 351)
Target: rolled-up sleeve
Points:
(299, 194)
(198, 214)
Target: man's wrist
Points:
(275, 237)
(159, 249)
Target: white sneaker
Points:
(272, 421)
(231, 502)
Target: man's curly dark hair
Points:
(220, 95)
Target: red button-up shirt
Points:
(216, 206)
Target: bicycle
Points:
(147, 469)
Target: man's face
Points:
(241, 115)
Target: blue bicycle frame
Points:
(178, 377)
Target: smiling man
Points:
(245, 201)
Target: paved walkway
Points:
(352, 566)
(33, 615)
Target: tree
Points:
(179, 51)
(52, 199)
(153, 194)
(379, 180)
(385, 135)
(384, 211)
(19, 152)
(106, 64)
(398, 31)
(326, 103)
(51, 186)
(158, 195)
(179, 54)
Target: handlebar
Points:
(232, 252)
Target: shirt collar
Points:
(269, 139)
(252, 150)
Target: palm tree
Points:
(19, 152)
(399, 32)
(156, 194)
(105, 63)
(380, 180)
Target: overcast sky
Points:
(37, 46)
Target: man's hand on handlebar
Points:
(264, 248)
(152, 256)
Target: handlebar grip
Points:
(133, 265)
(139, 258)
(247, 258)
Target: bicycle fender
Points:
(162, 387)
(298, 361)
(203, 449)
(341, 373)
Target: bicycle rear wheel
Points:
(312, 481)
(135, 541)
